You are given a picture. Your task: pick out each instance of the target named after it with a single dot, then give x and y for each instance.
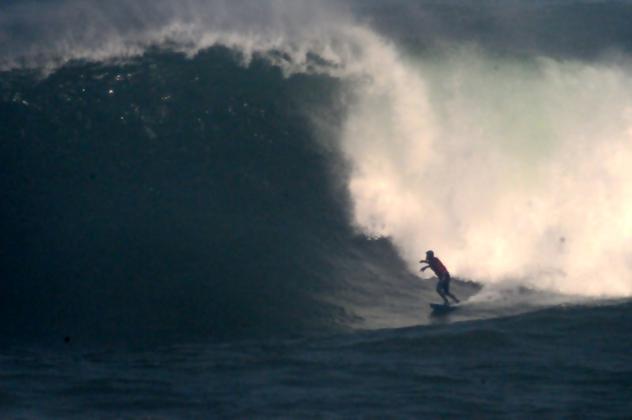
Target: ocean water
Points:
(558, 363)
(216, 210)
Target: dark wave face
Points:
(167, 195)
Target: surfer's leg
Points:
(447, 290)
(440, 291)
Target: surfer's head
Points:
(429, 254)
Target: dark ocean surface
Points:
(566, 362)
(178, 237)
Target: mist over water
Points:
(515, 167)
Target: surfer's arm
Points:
(424, 268)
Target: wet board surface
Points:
(440, 308)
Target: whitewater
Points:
(217, 209)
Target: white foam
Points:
(503, 166)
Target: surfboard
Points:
(440, 308)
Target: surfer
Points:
(443, 285)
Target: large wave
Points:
(459, 130)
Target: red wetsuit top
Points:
(437, 266)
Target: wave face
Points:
(222, 168)
(169, 195)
